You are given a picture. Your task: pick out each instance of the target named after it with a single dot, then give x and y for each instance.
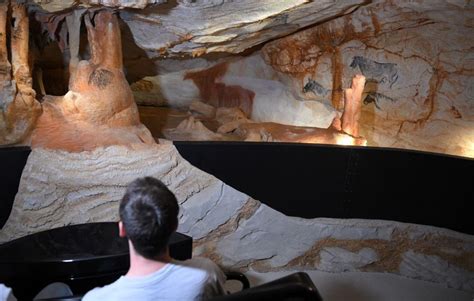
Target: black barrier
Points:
(345, 182)
(322, 181)
(12, 161)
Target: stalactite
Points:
(18, 106)
(99, 109)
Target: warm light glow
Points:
(344, 140)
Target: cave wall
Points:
(417, 58)
(290, 62)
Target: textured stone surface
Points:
(420, 266)
(176, 28)
(56, 194)
(18, 107)
(344, 260)
(99, 109)
(274, 101)
(58, 5)
(59, 188)
(183, 27)
(416, 55)
(417, 58)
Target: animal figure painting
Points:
(374, 97)
(379, 72)
(315, 87)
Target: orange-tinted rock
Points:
(275, 132)
(99, 110)
(352, 106)
(18, 106)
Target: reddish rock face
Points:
(218, 94)
(18, 106)
(99, 109)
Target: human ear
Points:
(122, 232)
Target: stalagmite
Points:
(99, 109)
(352, 106)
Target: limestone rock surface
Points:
(99, 108)
(183, 27)
(18, 107)
(58, 188)
(59, 5)
(417, 58)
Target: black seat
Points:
(296, 286)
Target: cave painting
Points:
(343, 130)
(375, 98)
(219, 94)
(379, 72)
(99, 109)
(315, 87)
(18, 107)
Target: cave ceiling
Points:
(197, 27)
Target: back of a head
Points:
(149, 213)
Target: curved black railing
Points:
(309, 180)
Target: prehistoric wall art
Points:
(263, 71)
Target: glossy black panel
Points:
(84, 256)
(345, 182)
(12, 161)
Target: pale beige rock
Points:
(191, 129)
(183, 28)
(226, 115)
(230, 119)
(59, 5)
(202, 109)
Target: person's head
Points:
(149, 215)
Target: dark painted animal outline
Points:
(315, 87)
(380, 72)
(374, 97)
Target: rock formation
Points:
(232, 117)
(228, 226)
(18, 106)
(59, 5)
(99, 109)
(418, 62)
(416, 57)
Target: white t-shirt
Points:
(6, 293)
(194, 279)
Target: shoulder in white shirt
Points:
(194, 279)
